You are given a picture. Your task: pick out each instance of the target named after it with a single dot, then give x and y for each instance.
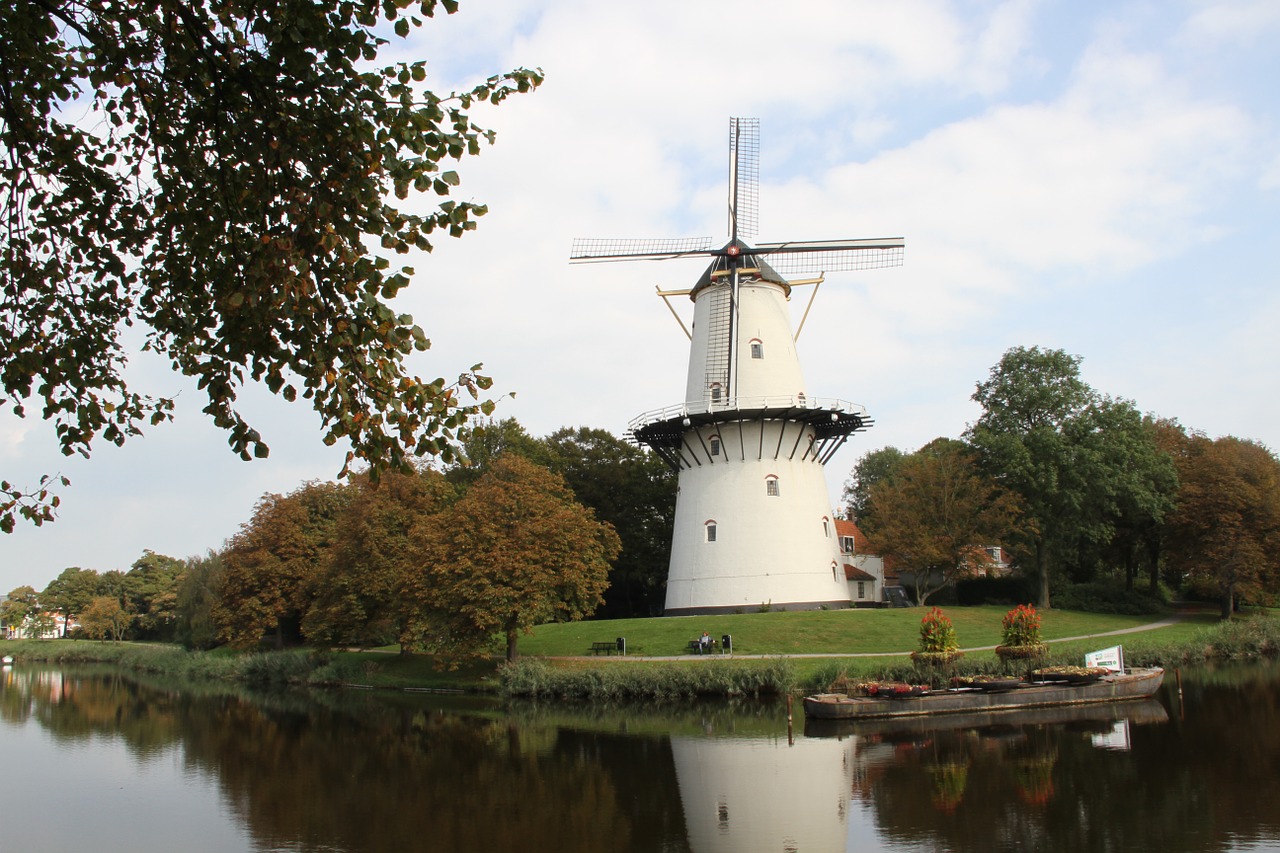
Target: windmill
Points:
(753, 521)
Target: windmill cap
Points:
(738, 253)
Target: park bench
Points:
(609, 647)
(724, 646)
(696, 647)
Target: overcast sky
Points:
(1102, 178)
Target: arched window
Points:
(714, 445)
(771, 486)
(757, 349)
(715, 392)
(826, 527)
(710, 527)
(835, 571)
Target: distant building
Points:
(864, 573)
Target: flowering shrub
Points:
(1021, 637)
(892, 689)
(937, 634)
(1021, 627)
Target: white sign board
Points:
(1112, 658)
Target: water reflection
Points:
(375, 772)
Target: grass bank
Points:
(294, 666)
(852, 644)
(837, 632)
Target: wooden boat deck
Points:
(1135, 684)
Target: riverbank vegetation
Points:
(884, 642)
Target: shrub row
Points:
(537, 679)
(297, 666)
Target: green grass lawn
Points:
(832, 632)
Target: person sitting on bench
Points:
(704, 643)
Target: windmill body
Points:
(753, 524)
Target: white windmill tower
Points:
(754, 524)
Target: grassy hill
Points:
(828, 632)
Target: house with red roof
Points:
(864, 572)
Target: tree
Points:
(70, 592)
(1084, 465)
(633, 490)
(515, 551)
(1225, 532)
(198, 594)
(484, 443)
(875, 466)
(230, 191)
(1132, 483)
(272, 563)
(936, 515)
(20, 609)
(151, 594)
(105, 617)
(361, 594)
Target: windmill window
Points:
(715, 392)
(771, 487)
(835, 571)
(710, 527)
(826, 527)
(715, 445)
(757, 349)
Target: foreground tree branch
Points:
(217, 172)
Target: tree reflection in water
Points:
(1201, 779)
(351, 771)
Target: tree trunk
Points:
(1042, 569)
(513, 636)
(1227, 602)
(1153, 559)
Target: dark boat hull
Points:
(1135, 684)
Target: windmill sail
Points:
(744, 178)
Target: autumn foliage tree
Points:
(935, 515)
(1224, 535)
(229, 177)
(517, 550)
(105, 617)
(271, 566)
(362, 588)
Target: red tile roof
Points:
(854, 573)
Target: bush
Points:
(972, 592)
(534, 678)
(1108, 597)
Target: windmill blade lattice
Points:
(744, 178)
(591, 250)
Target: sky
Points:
(1102, 178)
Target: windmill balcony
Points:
(799, 407)
(828, 421)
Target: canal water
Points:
(93, 760)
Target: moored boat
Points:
(1116, 687)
